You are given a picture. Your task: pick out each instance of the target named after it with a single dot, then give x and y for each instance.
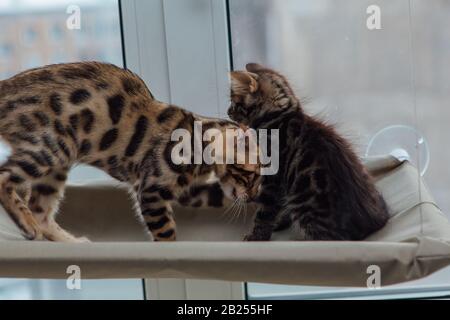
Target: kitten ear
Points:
(244, 82)
(254, 67)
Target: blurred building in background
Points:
(33, 36)
(34, 33)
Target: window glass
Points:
(39, 29)
(36, 33)
(18, 289)
(360, 79)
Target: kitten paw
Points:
(251, 237)
(258, 237)
(33, 234)
(165, 239)
(70, 239)
(82, 240)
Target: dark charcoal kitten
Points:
(321, 186)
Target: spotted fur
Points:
(321, 187)
(56, 116)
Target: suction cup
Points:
(402, 142)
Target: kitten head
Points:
(241, 179)
(255, 91)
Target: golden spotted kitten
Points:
(56, 116)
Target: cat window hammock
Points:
(414, 244)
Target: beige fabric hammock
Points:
(415, 242)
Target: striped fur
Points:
(321, 188)
(56, 116)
